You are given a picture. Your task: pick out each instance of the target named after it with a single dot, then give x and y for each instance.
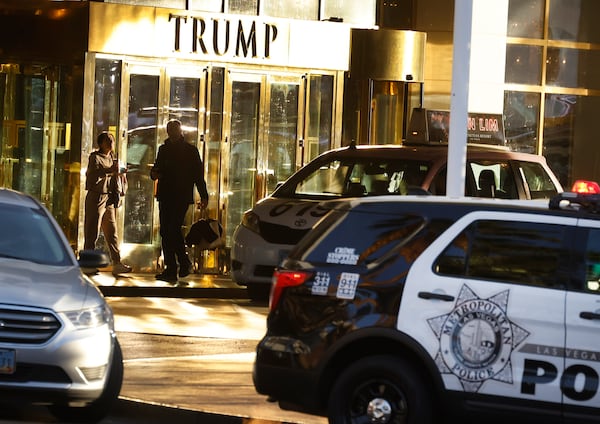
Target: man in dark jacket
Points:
(178, 168)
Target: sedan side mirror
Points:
(93, 259)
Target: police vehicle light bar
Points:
(576, 201)
(587, 187)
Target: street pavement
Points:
(171, 390)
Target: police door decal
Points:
(476, 339)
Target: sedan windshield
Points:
(27, 234)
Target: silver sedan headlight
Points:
(92, 317)
(251, 221)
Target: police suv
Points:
(275, 224)
(423, 309)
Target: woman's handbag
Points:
(118, 189)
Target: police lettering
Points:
(540, 372)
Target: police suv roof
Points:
(566, 203)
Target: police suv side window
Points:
(360, 239)
(506, 251)
(592, 262)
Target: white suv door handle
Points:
(438, 296)
(589, 315)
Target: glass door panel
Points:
(26, 136)
(319, 116)
(142, 121)
(214, 136)
(387, 112)
(282, 134)
(243, 141)
(212, 261)
(184, 105)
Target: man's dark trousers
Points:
(172, 215)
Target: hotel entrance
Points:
(253, 129)
(259, 97)
(134, 101)
(276, 123)
(263, 138)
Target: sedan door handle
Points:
(438, 296)
(589, 315)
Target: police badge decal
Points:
(476, 339)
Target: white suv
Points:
(275, 224)
(425, 310)
(58, 345)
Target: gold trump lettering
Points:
(213, 36)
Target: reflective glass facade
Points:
(553, 88)
(271, 119)
(255, 120)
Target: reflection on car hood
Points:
(58, 288)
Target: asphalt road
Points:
(186, 361)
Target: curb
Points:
(178, 292)
(150, 413)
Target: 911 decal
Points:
(476, 339)
(347, 286)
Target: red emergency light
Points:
(585, 187)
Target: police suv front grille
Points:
(27, 327)
(280, 234)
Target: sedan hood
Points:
(58, 288)
(300, 214)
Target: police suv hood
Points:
(61, 288)
(298, 214)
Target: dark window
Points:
(493, 179)
(523, 64)
(514, 252)
(592, 262)
(360, 239)
(484, 178)
(390, 235)
(525, 18)
(573, 20)
(573, 68)
(521, 120)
